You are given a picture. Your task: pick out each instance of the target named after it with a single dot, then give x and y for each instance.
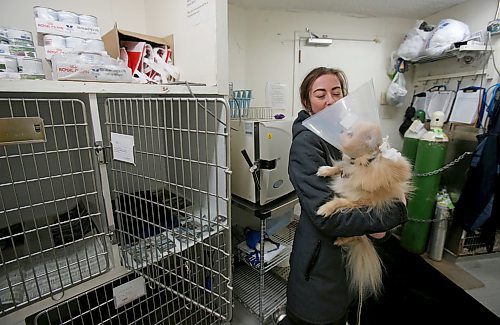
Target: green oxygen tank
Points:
(411, 139)
(413, 135)
(431, 154)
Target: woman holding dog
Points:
(317, 290)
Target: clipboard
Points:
(467, 105)
(440, 100)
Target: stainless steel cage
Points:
(52, 233)
(147, 177)
(169, 179)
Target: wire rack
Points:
(169, 174)
(246, 290)
(262, 290)
(254, 112)
(52, 232)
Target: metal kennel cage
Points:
(52, 231)
(169, 178)
(159, 304)
(146, 177)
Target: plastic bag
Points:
(397, 90)
(447, 32)
(413, 44)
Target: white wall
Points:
(261, 47)
(200, 40)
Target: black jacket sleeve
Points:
(307, 154)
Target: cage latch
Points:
(100, 152)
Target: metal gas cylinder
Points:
(430, 157)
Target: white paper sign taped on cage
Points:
(123, 147)
(127, 292)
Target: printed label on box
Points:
(67, 29)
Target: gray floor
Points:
(485, 268)
(241, 316)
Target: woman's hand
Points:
(378, 235)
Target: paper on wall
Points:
(276, 95)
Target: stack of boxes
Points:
(18, 55)
(64, 32)
(73, 45)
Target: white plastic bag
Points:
(397, 91)
(413, 44)
(447, 32)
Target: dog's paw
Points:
(325, 210)
(323, 171)
(329, 208)
(332, 206)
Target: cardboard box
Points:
(112, 40)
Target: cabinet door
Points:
(168, 175)
(52, 231)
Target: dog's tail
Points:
(364, 267)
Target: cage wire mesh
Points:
(52, 233)
(476, 243)
(163, 302)
(169, 177)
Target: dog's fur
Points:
(364, 178)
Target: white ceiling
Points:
(414, 9)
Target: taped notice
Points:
(127, 292)
(123, 147)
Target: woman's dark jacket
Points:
(317, 289)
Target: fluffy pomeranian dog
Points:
(373, 175)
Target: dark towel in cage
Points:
(145, 213)
(72, 225)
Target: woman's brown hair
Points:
(308, 81)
